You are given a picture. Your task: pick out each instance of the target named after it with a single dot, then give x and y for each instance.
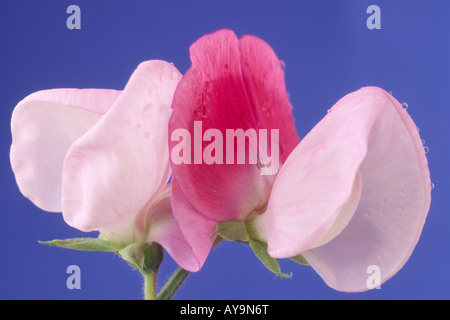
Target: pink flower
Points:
(232, 84)
(353, 193)
(101, 157)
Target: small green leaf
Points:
(143, 256)
(85, 244)
(260, 250)
(300, 259)
(232, 230)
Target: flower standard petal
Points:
(232, 85)
(319, 179)
(263, 76)
(116, 169)
(395, 200)
(212, 95)
(44, 125)
(369, 130)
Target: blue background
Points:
(328, 51)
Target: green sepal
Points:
(300, 259)
(143, 256)
(260, 250)
(85, 244)
(232, 230)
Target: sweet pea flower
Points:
(354, 193)
(100, 157)
(232, 84)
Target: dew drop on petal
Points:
(432, 186)
(405, 105)
(426, 149)
(148, 136)
(147, 107)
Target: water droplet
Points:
(282, 64)
(423, 141)
(405, 105)
(208, 86)
(147, 107)
(426, 149)
(203, 112)
(418, 129)
(329, 110)
(432, 186)
(148, 136)
(390, 92)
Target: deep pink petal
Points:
(196, 229)
(228, 88)
(232, 85)
(44, 125)
(115, 170)
(165, 231)
(265, 86)
(213, 92)
(394, 203)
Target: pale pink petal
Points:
(115, 170)
(318, 178)
(44, 125)
(395, 200)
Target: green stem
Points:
(150, 286)
(174, 283)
